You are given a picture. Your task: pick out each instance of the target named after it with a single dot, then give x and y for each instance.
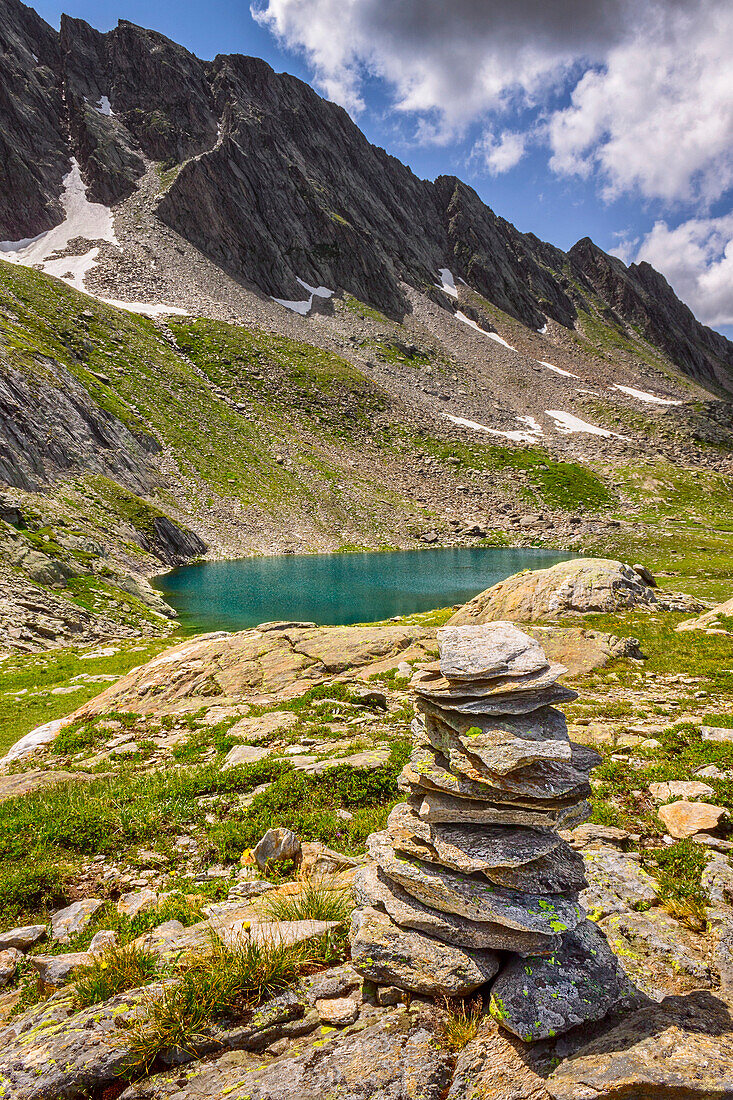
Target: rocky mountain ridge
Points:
(276, 185)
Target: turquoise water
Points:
(337, 589)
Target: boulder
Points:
(9, 959)
(538, 997)
(711, 620)
(137, 901)
(577, 586)
(615, 883)
(72, 920)
(389, 955)
(683, 819)
(276, 846)
(102, 942)
(56, 969)
(681, 1049)
(716, 733)
(243, 754)
(496, 1066)
(679, 788)
(22, 938)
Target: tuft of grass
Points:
(315, 901)
(113, 972)
(224, 983)
(459, 1023)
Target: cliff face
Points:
(275, 184)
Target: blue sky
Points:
(611, 120)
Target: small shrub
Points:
(114, 971)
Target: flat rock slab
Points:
(19, 783)
(391, 1060)
(468, 897)
(337, 1011)
(441, 807)
(511, 703)
(681, 1048)
(486, 652)
(57, 969)
(537, 998)
(496, 1066)
(679, 788)
(716, 733)
(373, 888)
(473, 849)
(553, 784)
(390, 955)
(683, 819)
(243, 754)
(436, 687)
(504, 742)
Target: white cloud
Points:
(697, 259)
(657, 117)
(502, 153)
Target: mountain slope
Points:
(274, 184)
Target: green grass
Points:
(315, 901)
(27, 683)
(113, 972)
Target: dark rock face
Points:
(276, 184)
(45, 429)
(640, 296)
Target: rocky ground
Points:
(232, 781)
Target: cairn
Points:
(471, 884)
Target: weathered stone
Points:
(23, 938)
(683, 819)
(337, 1011)
(335, 982)
(467, 897)
(372, 887)
(580, 585)
(243, 754)
(496, 1066)
(710, 619)
(536, 998)
(615, 883)
(448, 692)
(553, 784)
(264, 728)
(276, 846)
(440, 807)
(9, 959)
(716, 733)
(660, 954)
(72, 920)
(102, 942)
(138, 901)
(389, 995)
(521, 859)
(681, 1048)
(486, 653)
(390, 955)
(591, 835)
(56, 969)
(503, 742)
(679, 788)
(390, 1060)
(510, 703)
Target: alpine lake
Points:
(338, 589)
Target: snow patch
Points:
(543, 330)
(447, 282)
(460, 316)
(147, 309)
(90, 220)
(304, 307)
(568, 424)
(104, 107)
(642, 395)
(528, 435)
(557, 370)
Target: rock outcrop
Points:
(472, 860)
(572, 587)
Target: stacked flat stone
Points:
(471, 878)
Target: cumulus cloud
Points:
(635, 95)
(657, 117)
(502, 153)
(697, 259)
